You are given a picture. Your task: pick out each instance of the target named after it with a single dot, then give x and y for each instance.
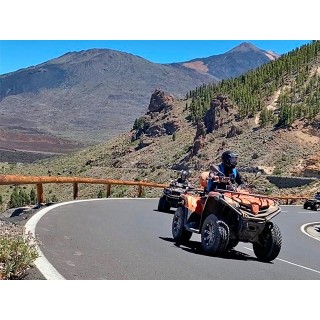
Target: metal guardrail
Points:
(40, 180)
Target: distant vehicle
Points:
(171, 195)
(314, 203)
(224, 218)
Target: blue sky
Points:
(152, 20)
(17, 54)
(161, 32)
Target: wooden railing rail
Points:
(40, 180)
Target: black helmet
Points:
(229, 158)
(184, 175)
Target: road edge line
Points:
(42, 263)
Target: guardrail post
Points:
(75, 191)
(108, 190)
(40, 195)
(139, 191)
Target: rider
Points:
(183, 179)
(226, 168)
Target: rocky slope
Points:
(93, 95)
(165, 141)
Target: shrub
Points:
(17, 251)
(277, 171)
(19, 198)
(102, 194)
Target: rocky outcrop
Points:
(144, 142)
(217, 113)
(171, 126)
(234, 131)
(159, 119)
(197, 145)
(310, 167)
(201, 130)
(159, 101)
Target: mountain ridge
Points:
(270, 117)
(89, 96)
(233, 63)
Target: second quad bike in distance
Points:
(225, 217)
(314, 203)
(171, 195)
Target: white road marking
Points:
(294, 264)
(42, 263)
(304, 226)
(48, 270)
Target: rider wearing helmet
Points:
(184, 175)
(227, 168)
(183, 179)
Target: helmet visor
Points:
(233, 159)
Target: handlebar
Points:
(220, 179)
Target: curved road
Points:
(130, 239)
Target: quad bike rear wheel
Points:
(179, 232)
(316, 206)
(213, 235)
(268, 248)
(163, 205)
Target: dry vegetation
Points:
(17, 251)
(277, 150)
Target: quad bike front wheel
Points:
(316, 206)
(269, 245)
(163, 205)
(224, 234)
(179, 232)
(213, 234)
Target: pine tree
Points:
(14, 199)
(263, 120)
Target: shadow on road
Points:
(169, 212)
(195, 247)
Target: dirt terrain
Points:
(19, 144)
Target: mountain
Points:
(233, 63)
(91, 96)
(270, 117)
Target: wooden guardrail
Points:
(40, 180)
(290, 199)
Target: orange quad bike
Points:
(226, 217)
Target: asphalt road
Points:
(129, 239)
